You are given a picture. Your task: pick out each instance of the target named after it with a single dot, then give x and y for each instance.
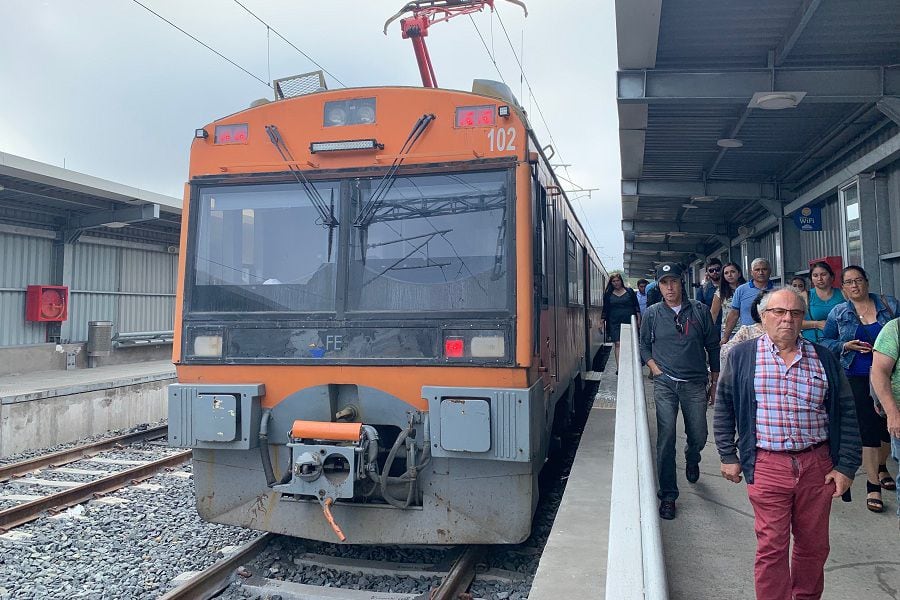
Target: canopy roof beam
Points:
(798, 23)
(845, 85)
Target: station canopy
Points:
(38, 196)
(729, 110)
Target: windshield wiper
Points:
(326, 213)
(384, 186)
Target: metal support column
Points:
(868, 220)
(61, 261)
(885, 234)
(791, 252)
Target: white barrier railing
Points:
(635, 567)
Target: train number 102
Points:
(502, 139)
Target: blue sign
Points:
(809, 218)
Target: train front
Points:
(354, 326)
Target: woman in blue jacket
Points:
(850, 332)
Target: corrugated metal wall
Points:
(815, 244)
(132, 287)
(893, 190)
(24, 260)
(768, 247)
(135, 289)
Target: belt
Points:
(807, 449)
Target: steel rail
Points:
(78, 452)
(29, 511)
(460, 577)
(215, 578)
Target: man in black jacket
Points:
(798, 444)
(680, 346)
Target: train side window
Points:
(579, 266)
(573, 278)
(543, 248)
(596, 287)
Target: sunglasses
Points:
(713, 270)
(682, 328)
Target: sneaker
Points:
(692, 472)
(667, 510)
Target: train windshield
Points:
(430, 243)
(266, 248)
(423, 243)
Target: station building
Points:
(88, 270)
(76, 249)
(767, 128)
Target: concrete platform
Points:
(573, 564)
(42, 409)
(710, 547)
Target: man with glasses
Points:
(797, 444)
(745, 294)
(707, 290)
(680, 346)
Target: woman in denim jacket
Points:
(850, 332)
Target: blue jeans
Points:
(668, 395)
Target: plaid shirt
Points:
(790, 399)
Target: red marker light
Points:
(232, 134)
(453, 347)
(476, 116)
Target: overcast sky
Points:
(108, 89)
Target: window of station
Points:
(851, 224)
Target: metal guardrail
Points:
(142, 338)
(635, 567)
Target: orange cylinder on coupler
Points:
(321, 430)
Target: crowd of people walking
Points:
(809, 392)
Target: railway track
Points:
(455, 580)
(76, 492)
(70, 455)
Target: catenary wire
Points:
(289, 43)
(486, 49)
(541, 113)
(202, 43)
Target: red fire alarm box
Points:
(835, 262)
(47, 303)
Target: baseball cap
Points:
(668, 270)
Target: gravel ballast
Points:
(123, 550)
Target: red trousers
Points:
(789, 496)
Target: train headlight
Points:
(488, 346)
(475, 344)
(208, 346)
(335, 116)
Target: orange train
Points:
(385, 302)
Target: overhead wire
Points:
(290, 43)
(202, 43)
(486, 49)
(537, 104)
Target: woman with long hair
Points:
(619, 304)
(850, 332)
(732, 277)
(821, 298)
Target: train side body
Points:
(438, 300)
